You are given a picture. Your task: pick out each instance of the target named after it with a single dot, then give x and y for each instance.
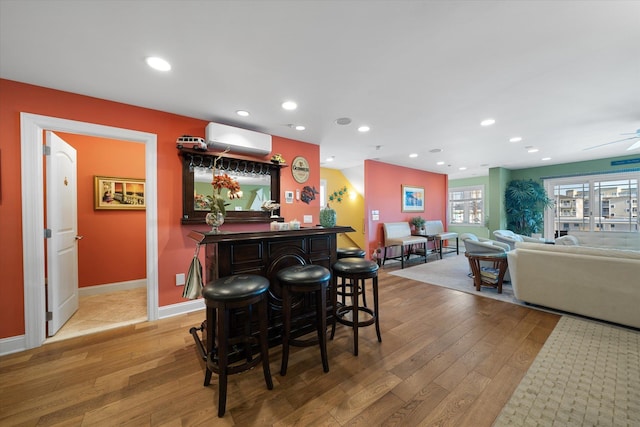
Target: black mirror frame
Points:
(191, 157)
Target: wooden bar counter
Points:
(265, 253)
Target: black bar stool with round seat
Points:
(222, 296)
(304, 279)
(356, 270)
(349, 252)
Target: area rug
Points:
(453, 272)
(586, 374)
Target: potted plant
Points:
(525, 202)
(418, 222)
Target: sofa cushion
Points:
(581, 250)
(567, 241)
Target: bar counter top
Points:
(223, 236)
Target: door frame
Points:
(32, 127)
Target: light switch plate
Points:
(308, 219)
(179, 279)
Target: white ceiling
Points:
(564, 75)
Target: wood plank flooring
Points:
(446, 358)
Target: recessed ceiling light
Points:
(300, 127)
(364, 129)
(515, 139)
(413, 155)
(462, 168)
(343, 121)
(436, 150)
(487, 122)
(289, 105)
(158, 63)
(242, 113)
(440, 163)
(544, 159)
(532, 150)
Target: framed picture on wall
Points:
(412, 199)
(119, 193)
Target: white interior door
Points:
(62, 220)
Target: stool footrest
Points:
(344, 310)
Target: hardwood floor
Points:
(446, 358)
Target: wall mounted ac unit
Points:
(238, 140)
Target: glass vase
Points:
(215, 220)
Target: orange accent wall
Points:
(113, 247)
(383, 189)
(175, 249)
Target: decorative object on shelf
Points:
(271, 206)
(338, 195)
(221, 180)
(328, 217)
(308, 194)
(418, 222)
(215, 220)
(412, 199)
(300, 169)
(278, 159)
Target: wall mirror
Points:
(259, 181)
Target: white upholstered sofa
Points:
(602, 283)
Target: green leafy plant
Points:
(525, 202)
(418, 222)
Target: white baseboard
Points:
(12, 344)
(180, 308)
(112, 287)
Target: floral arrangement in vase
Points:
(217, 203)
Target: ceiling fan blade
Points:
(609, 143)
(634, 146)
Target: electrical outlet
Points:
(180, 279)
(308, 219)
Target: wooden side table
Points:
(499, 261)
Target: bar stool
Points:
(356, 270)
(221, 297)
(304, 279)
(349, 252)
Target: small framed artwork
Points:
(119, 193)
(412, 199)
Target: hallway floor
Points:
(105, 311)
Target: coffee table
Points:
(499, 262)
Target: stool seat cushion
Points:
(350, 252)
(237, 287)
(308, 274)
(354, 266)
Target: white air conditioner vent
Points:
(238, 140)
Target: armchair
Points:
(510, 238)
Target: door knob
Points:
(79, 237)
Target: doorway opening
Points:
(32, 176)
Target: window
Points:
(466, 205)
(593, 203)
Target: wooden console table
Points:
(265, 253)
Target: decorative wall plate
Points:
(300, 169)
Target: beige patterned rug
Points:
(587, 374)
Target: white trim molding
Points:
(32, 176)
